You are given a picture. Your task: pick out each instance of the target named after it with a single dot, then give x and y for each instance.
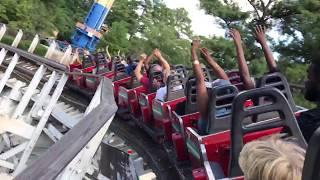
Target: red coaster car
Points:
(88, 66)
(102, 64)
(189, 106)
(128, 97)
(162, 110)
(120, 78)
(95, 65)
(145, 120)
(219, 117)
(185, 115)
(217, 154)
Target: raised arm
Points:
(163, 62)
(261, 38)
(202, 94)
(218, 71)
(243, 67)
(137, 71)
(148, 61)
(108, 54)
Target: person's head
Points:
(156, 68)
(130, 59)
(272, 158)
(312, 85)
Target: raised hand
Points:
(260, 33)
(142, 57)
(204, 53)
(261, 38)
(157, 53)
(235, 35)
(195, 44)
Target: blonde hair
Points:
(272, 159)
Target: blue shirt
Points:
(130, 68)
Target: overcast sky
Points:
(202, 24)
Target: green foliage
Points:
(258, 67)
(296, 73)
(145, 26)
(302, 23)
(117, 38)
(41, 50)
(301, 101)
(7, 40)
(43, 16)
(228, 11)
(223, 50)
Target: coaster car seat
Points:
(279, 104)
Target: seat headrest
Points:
(220, 105)
(191, 95)
(181, 69)
(239, 113)
(88, 61)
(278, 81)
(175, 86)
(206, 74)
(119, 71)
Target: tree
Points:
(231, 16)
(223, 50)
(43, 16)
(300, 20)
(147, 25)
(117, 37)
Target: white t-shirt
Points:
(161, 93)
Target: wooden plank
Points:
(29, 92)
(34, 43)
(53, 162)
(17, 39)
(6, 164)
(3, 30)
(42, 97)
(81, 163)
(37, 132)
(12, 152)
(16, 127)
(8, 72)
